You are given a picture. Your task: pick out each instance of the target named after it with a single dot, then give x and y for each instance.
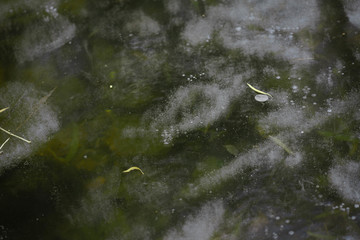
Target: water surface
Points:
(102, 86)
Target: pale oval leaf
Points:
(232, 149)
(261, 97)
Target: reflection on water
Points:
(162, 85)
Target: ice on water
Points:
(266, 154)
(173, 6)
(37, 122)
(44, 37)
(255, 27)
(97, 206)
(250, 26)
(352, 10)
(346, 180)
(142, 25)
(195, 106)
(201, 225)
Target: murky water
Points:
(162, 85)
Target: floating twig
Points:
(2, 145)
(4, 109)
(11, 134)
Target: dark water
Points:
(102, 86)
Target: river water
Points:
(99, 87)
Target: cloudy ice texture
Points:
(173, 6)
(257, 27)
(44, 37)
(135, 27)
(8, 7)
(346, 180)
(37, 122)
(352, 9)
(265, 154)
(200, 226)
(287, 124)
(195, 106)
(97, 206)
(292, 118)
(142, 24)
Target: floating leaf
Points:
(258, 91)
(133, 168)
(232, 149)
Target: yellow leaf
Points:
(258, 91)
(133, 168)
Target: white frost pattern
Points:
(37, 128)
(44, 37)
(346, 180)
(202, 225)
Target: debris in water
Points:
(258, 91)
(133, 168)
(2, 145)
(11, 134)
(261, 97)
(4, 109)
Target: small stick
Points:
(4, 109)
(2, 145)
(14, 135)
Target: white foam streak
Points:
(142, 24)
(44, 38)
(265, 154)
(345, 178)
(250, 26)
(195, 106)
